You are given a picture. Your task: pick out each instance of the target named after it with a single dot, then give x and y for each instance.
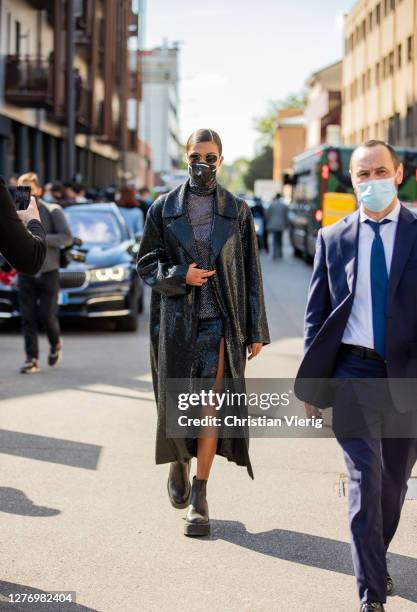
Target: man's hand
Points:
(196, 276)
(32, 212)
(254, 349)
(312, 411)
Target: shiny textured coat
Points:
(166, 251)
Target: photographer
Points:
(38, 295)
(22, 237)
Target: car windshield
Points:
(94, 227)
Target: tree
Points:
(231, 175)
(261, 167)
(265, 125)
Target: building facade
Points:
(289, 140)
(379, 95)
(324, 106)
(159, 115)
(35, 52)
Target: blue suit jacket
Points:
(330, 299)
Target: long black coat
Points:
(166, 251)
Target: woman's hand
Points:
(312, 411)
(32, 212)
(254, 349)
(196, 276)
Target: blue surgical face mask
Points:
(377, 194)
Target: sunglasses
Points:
(211, 158)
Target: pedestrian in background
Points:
(129, 207)
(199, 254)
(276, 224)
(38, 295)
(361, 323)
(57, 192)
(22, 237)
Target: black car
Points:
(106, 284)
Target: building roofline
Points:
(313, 75)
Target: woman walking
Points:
(199, 254)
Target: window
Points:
(409, 123)
(410, 49)
(391, 63)
(363, 83)
(378, 14)
(9, 29)
(393, 5)
(385, 69)
(377, 68)
(17, 37)
(369, 79)
(399, 56)
(370, 21)
(387, 5)
(364, 29)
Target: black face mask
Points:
(203, 177)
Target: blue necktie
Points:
(379, 287)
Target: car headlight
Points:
(105, 275)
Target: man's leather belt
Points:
(361, 351)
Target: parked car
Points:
(105, 284)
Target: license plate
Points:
(63, 298)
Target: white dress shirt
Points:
(359, 328)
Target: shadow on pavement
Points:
(7, 588)
(54, 450)
(314, 551)
(14, 501)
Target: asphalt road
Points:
(83, 507)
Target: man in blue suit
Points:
(361, 326)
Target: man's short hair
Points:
(368, 144)
(28, 178)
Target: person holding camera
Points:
(38, 295)
(22, 237)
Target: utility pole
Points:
(70, 92)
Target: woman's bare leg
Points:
(207, 445)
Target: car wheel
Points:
(128, 323)
(306, 255)
(140, 304)
(296, 251)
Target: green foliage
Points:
(261, 167)
(265, 125)
(231, 175)
(181, 163)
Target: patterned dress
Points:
(200, 209)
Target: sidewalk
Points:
(84, 508)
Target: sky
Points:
(236, 55)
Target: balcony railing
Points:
(28, 81)
(40, 5)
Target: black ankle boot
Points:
(197, 521)
(179, 488)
